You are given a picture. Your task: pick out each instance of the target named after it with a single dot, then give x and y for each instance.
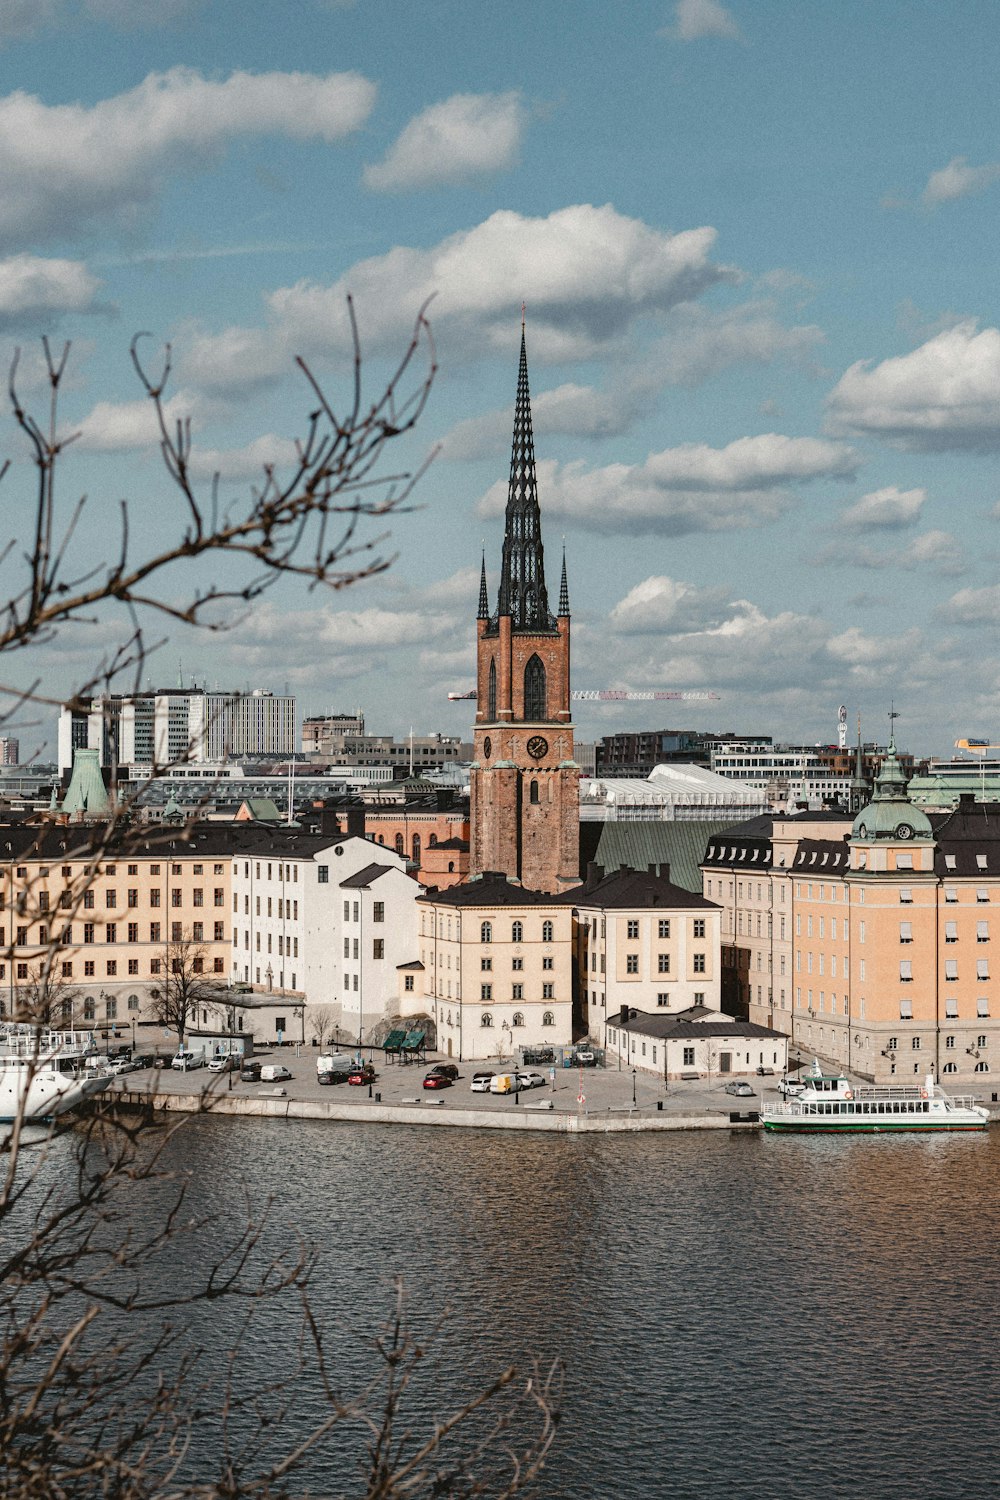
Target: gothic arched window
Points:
(534, 689)
(399, 844)
(491, 701)
(416, 848)
(533, 792)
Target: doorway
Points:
(725, 1062)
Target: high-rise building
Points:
(10, 751)
(524, 780)
(178, 725)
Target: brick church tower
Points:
(525, 783)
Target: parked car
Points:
(765, 1072)
(584, 1059)
(118, 1065)
(742, 1090)
(791, 1086)
(481, 1082)
(363, 1074)
(250, 1072)
(502, 1083)
(274, 1073)
(529, 1080)
(225, 1062)
(435, 1080)
(332, 1075)
(449, 1070)
(145, 1059)
(185, 1061)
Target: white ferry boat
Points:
(44, 1072)
(830, 1102)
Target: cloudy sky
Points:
(757, 243)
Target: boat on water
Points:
(44, 1072)
(830, 1102)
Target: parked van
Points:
(334, 1062)
(274, 1073)
(502, 1083)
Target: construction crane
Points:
(614, 695)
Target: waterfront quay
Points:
(397, 1095)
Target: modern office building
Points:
(174, 726)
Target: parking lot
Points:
(603, 1090)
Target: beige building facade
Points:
(886, 967)
(495, 969)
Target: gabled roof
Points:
(366, 877)
(822, 854)
(680, 1026)
(491, 889)
(634, 890)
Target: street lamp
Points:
(633, 1087)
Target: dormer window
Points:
(981, 862)
(949, 861)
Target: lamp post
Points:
(633, 1087)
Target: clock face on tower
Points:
(537, 746)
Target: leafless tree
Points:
(320, 1022)
(100, 1389)
(184, 987)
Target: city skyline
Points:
(762, 351)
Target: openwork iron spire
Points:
(564, 590)
(484, 598)
(522, 577)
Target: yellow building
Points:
(887, 961)
(496, 968)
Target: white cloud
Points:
(570, 409)
(935, 549)
(959, 180)
(660, 603)
(32, 288)
(587, 273)
(687, 489)
(67, 165)
(266, 451)
(943, 395)
(974, 606)
(120, 427)
(884, 510)
(702, 341)
(857, 649)
(466, 136)
(694, 19)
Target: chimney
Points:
(355, 822)
(595, 874)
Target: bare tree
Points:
(100, 1391)
(184, 987)
(320, 1022)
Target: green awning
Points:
(413, 1041)
(394, 1041)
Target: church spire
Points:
(484, 598)
(563, 590)
(522, 576)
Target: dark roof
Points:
(461, 845)
(632, 889)
(413, 964)
(822, 854)
(675, 1027)
(366, 877)
(964, 836)
(492, 889)
(82, 841)
(731, 847)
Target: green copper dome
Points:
(890, 814)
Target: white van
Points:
(502, 1083)
(274, 1073)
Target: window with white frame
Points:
(982, 1006)
(905, 970)
(951, 1007)
(951, 968)
(951, 932)
(982, 968)
(906, 932)
(906, 1010)
(982, 932)
(905, 896)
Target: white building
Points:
(671, 792)
(790, 775)
(326, 922)
(700, 1043)
(168, 727)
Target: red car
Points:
(365, 1074)
(438, 1079)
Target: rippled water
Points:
(739, 1316)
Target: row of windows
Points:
(67, 871)
(110, 934)
(68, 900)
(156, 966)
(287, 873)
(288, 947)
(663, 963)
(486, 992)
(517, 964)
(516, 932)
(950, 969)
(892, 1045)
(486, 1019)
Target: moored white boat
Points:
(830, 1102)
(44, 1072)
